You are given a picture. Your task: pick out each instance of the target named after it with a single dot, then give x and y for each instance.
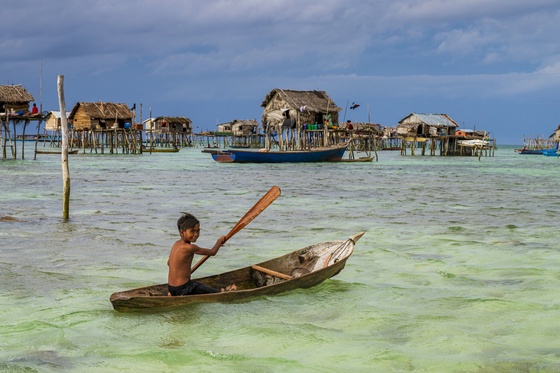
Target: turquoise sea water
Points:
(458, 271)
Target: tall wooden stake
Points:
(65, 168)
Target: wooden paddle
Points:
(259, 207)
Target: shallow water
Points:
(458, 271)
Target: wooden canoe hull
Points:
(305, 268)
(75, 151)
(360, 159)
(161, 150)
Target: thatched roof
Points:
(312, 101)
(14, 94)
(104, 110)
(364, 126)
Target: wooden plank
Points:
(271, 272)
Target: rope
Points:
(341, 248)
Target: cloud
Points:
(217, 50)
(214, 36)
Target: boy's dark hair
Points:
(186, 221)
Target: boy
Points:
(181, 257)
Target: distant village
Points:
(289, 118)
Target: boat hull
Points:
(161, 150)
(532, 151)
(551, 152)
(75, 151)
(303, 268)
(473, 143)
(332, 154)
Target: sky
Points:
(490, 65)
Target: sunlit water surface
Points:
(458, 271)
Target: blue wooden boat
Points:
(551, 152)
(530, 151)
(325, 154)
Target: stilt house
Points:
(239, 133)
(292, 109)
(244, 127)
(239, 127)
(14, 100)
(53, 122)
(426, 125)
(176, 125)
(99, 116)
(225, 128)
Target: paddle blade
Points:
(259, 207)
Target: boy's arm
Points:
(210, 252)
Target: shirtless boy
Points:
(181, 257)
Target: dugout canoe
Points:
(75, 151)
(302, 268)
(160, 150)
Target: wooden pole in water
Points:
(65, 168)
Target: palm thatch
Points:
(15, 97)
(300, 106)
(368, 127)
(104, 110)
(100, 115)
(316, 101)
(14, 94)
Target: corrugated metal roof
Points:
(436, 119)
(56, 113)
